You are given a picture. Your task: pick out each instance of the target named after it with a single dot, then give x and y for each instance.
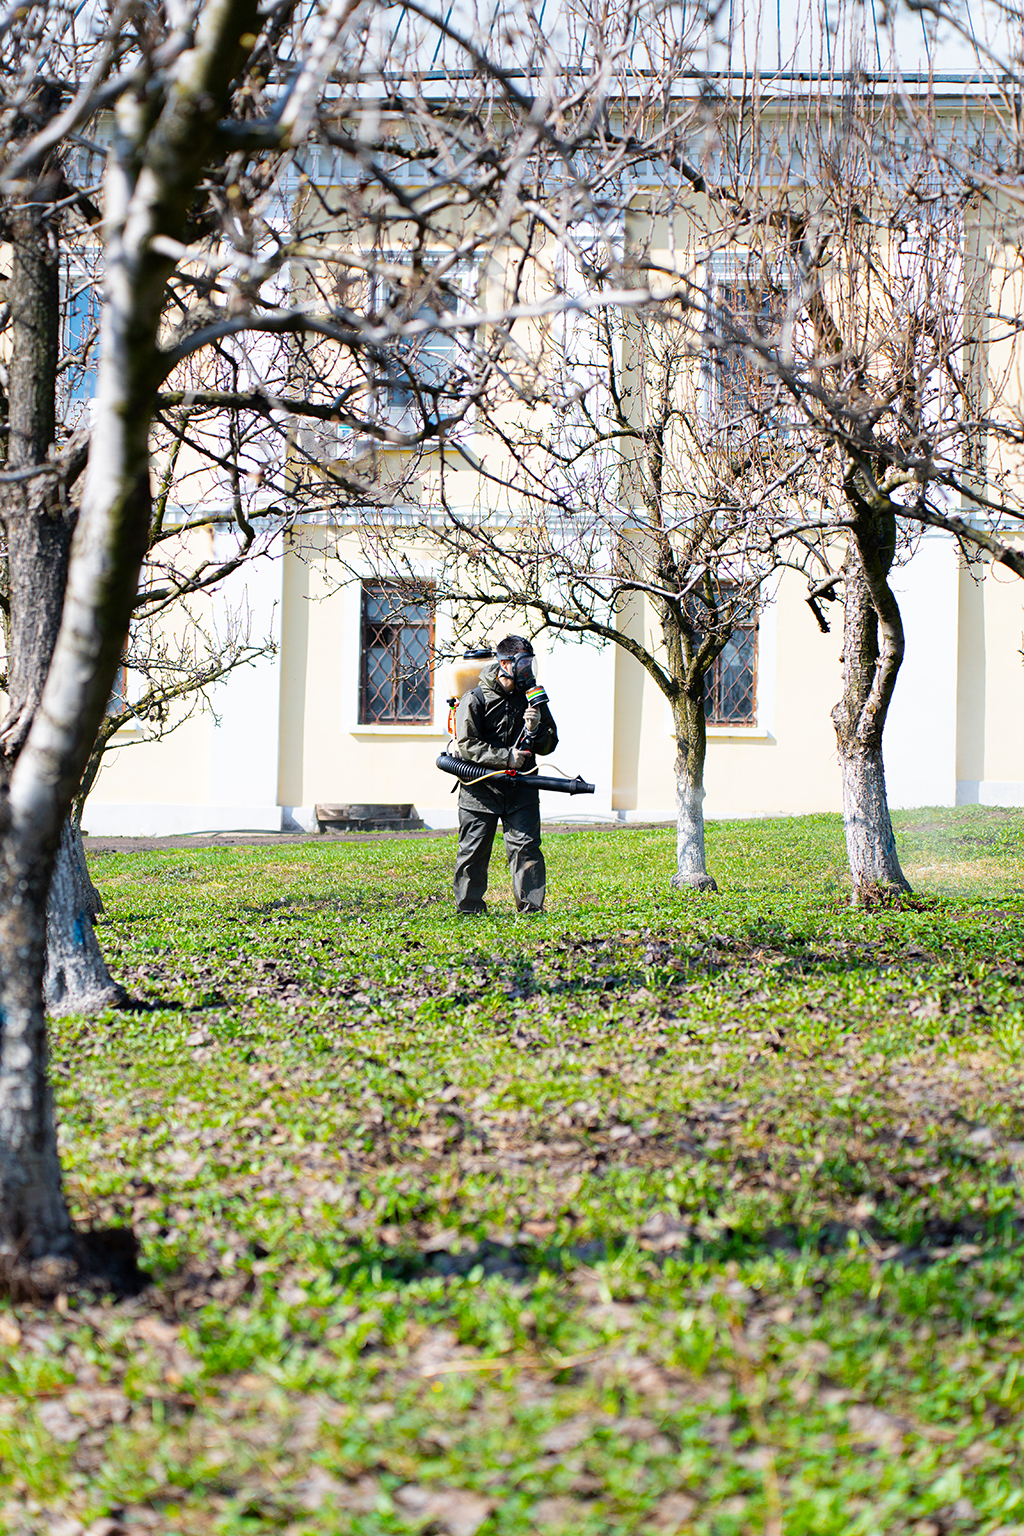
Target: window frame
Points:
(405, 413)
(425, 592)
(713, 681)
(728, 402)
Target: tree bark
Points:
(40, 524)
(37, 1242)
(34, 1223)
(691, 750)
(77, 979)
(872, 653)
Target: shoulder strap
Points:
(475, 705)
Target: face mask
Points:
(522, 674)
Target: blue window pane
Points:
(378, 607)
(81, 326)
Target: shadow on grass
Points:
(962, 1242)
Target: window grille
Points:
(119, 692)
(418, 374)
(397, 644)
(730, 688)
(730, 684)
(740, 394)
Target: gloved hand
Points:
(531, 719)
(520, 760)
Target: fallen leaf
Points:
(876, 1428)
(455, 1511)
(105, 1405)
(60, 1423)
(156, 1331)
(556, 1513)
(674, 1512)
(569, 1434)
(317, 1488)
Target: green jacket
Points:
(489, 722)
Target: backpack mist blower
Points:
(466, 675)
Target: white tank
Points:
(464, 674)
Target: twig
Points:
(554, 1364)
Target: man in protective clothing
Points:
(496, 726)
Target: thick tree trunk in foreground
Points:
(150, 182)
(37, 1243)
(691, 751)
(872, 653)
(77, 979)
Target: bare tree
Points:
(285, 320)
(628, 503)
(832, 245)
(242, 296)
(883, 261)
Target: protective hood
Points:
(489, 680)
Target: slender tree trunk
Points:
(40, 524)
(34, 1222)
(691, 751)
(872, 653)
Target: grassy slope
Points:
(652, 1214)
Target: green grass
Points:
(656, 1213)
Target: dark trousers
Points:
(480, 810)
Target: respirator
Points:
(525, 682)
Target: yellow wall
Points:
(787, 764)
(1004, 676)
(172, 771)
(326, 756)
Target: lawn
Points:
(657, 1213)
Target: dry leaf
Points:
(569, 1434)
(455, 1511)
(876, 1428)
(674, 1512)
(59, 1422)
(556, 1514)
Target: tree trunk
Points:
(77, 979)
(870, 844)
(872, 653)
(691, 750)
(37, 1242)
(34, 1222)
(40, 524)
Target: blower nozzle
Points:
(472, 773)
